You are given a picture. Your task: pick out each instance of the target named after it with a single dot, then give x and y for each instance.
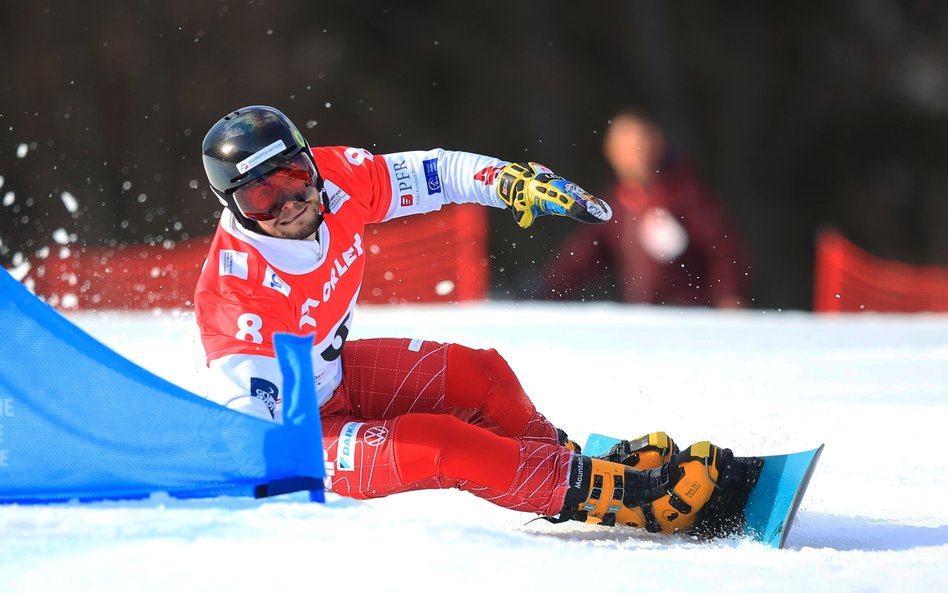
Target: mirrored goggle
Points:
(262, 198)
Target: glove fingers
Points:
(572, 200)
(594, 211)
(531, 190)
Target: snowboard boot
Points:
(646, 452)
(665, 499)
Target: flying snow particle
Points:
(61, 236)
(9, 198)
(70, 202)
(444, 288)
(21, 150)
(1, 180)
(19, 271)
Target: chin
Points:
(299, 231)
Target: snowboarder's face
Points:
(296, 219)
(262, 198)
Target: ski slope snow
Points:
(873, 388)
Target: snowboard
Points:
(773, 500)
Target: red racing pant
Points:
(413, 415)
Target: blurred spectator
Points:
(670, 242)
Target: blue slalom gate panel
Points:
(80, 422)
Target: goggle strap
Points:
(323, 194)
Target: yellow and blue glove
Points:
(531, 190)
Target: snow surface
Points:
(873, 388)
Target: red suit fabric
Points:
(413, 415)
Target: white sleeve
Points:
(248, 383)
(423, 181)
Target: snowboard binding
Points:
(723, 516)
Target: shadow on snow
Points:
(861, 533)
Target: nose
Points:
(288, 200)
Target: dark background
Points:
(798, 115)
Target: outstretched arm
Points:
(423, 181)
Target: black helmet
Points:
(245, 145)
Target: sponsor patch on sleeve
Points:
(432, 180)
(488, 175)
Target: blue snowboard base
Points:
(774, 500)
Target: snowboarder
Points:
(404, 414)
